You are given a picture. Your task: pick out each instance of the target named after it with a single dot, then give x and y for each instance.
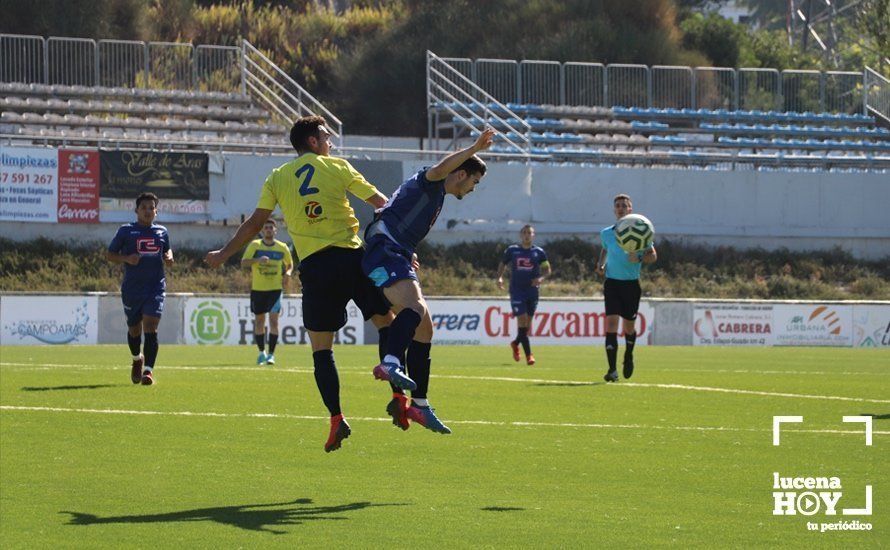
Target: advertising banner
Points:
(732, 325)
(813, 325)
(28, 184)
(36, 320)
(170, 175)
(78, 186)
(474, 322)
(211, 321)
(871, 326)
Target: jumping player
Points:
(621, 290)
(526, 262)
(391, 239)
(311, 191)
(270, 265)
(143, 247)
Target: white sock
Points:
(148, 369)
(137, 357)
(392, 359)
(420, 402)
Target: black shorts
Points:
(622, 298)
(331, 278)
(265, 301)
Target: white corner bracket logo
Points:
(809, 496)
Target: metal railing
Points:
(119, 63)
(451, 92)
(877, 95)
(274, 89)
(593, 84)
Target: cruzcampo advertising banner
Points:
(169, 175)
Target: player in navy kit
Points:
(143, 247)
(398, 228)
(526, 262)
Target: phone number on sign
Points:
(18, 177)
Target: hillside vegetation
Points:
(470, 269)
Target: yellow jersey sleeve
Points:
(250, 250)
(268, 199)
(358, 185)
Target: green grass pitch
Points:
(222, 453)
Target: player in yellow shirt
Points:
(311, 192)
(270, 264)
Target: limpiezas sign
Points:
(555, 322)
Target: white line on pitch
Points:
(82, 366)
(371, 419)
(545, 382)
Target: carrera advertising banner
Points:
(732, 325)
(37, 320)
(78, 186)
(473, 322)
(871, 326)
(813, 325)
(180, 180)
(29, 184)
(211, 321)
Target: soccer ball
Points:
(634, 233)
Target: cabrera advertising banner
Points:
(726, 324)
(37, 320)
(212, 321)
(556, 322)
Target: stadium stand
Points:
(159, 95)
(709, 137)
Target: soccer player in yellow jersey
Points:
(311, 192)
(270, 264)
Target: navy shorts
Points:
(622, 298)
(265, 301)
(386, 262)
(137, 305)
(330, 279)
(524, 302)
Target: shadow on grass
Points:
(876, 416)
(502, 509)
(252, 517)
(570, 384)
(82, 387)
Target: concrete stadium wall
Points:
(794, 210)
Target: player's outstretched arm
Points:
(377, 200)
(451, 162)
(247, 231)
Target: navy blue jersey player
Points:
(621, 290)
(144, 248)
(391, 239)
(528, 267)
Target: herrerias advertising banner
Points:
(229, 321)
